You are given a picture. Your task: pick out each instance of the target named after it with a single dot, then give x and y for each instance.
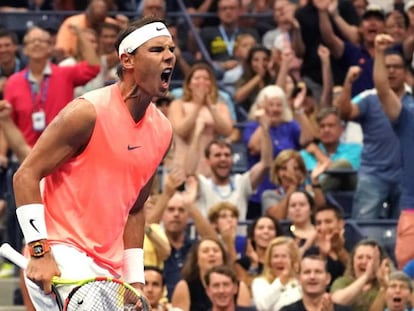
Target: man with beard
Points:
(222, 185)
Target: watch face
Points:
(37, 250)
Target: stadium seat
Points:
(342, 199)
(384, 231)
(239, 158)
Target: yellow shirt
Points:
(150, 252)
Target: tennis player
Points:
(98, 158)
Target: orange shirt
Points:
(66, 40)
(88, 199)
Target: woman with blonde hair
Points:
(278, 286)
(288, 173)
(199, 103)
(287, 130)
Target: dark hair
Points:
(310, 200)
(218, 142)
(111, 26)
(248, 72)
(330, 207)
(313, 253)
(158, 270)
(131, 28)
(324, 112)
(191, 270)
(252, 227)
(224, 270)
(9, 34)
(397, 52)
(366, 242)
(403, 15)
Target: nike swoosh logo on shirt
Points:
(133, 147)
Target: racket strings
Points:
(102, 295)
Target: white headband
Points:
(141, 35)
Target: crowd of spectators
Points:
(314, 96)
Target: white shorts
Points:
(73, 265)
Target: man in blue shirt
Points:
(379, 177)
(341, 155)
(386, 72)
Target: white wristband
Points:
(133, 267)
(31, 218)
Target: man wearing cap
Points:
(373, 23)
(98, 158)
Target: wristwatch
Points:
(39, 248)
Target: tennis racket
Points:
(94, 294)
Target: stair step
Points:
(7, 288)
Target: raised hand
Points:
(337, 241)
(191, 189)
(353, 74)
(285, 275)
(251, 253)
(323, 53)
(383, 42)
(322, 5)
(173, 180)
(333, 7)
(384, 272)
(300, 98)
(326, 303)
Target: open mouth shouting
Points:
(166, 78)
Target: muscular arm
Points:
(68, 133)
(63, 138)
(389, 100)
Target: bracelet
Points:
(31, 219)
(316, 186)
(133, 266)
(299, 111)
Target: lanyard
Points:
(217, 190)
(229, 41)
(38, 96)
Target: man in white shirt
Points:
(222, 185)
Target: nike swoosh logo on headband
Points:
(159, 29)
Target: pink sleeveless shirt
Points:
(88, 199)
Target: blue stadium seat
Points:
(342, 199)
(239, 158)
(384, 231)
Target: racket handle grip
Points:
(14, 256)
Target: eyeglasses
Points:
(38, 40)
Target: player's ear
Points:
(127, 61)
